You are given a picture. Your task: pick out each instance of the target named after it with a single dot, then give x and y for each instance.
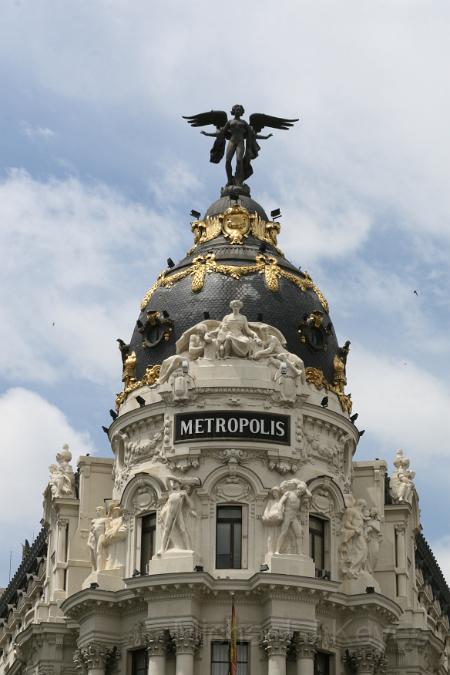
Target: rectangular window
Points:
(321, 664)
(148, 533)
(220, 658)
(229, 537)
(317, 541)
(139, 663)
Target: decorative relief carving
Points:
(236, 223)
(232, 488)
(401, 483)
(365, 660)
(142, 440)
(207, 264)
(314, 331)
(156, 642)
(156, 328)
(187, 639)
(94, 655)
(324, 441)
(277, 641)
(306, 643)
(62, 479)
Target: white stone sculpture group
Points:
(106, 539)
(62, 479)
(360, 540)
(282, 516)
(402, 484)
(236, 337)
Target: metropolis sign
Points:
(243, 425)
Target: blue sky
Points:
(99, 173)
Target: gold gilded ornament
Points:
(203, 265)
(150, 377)
(129, 370)
(236, 224)
(316, 377)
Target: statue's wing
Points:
(259, 120)
(216, 117)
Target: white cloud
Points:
(75, 268)
(36, 132)
(402, 404)
(33, 431)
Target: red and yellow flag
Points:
(233, 641)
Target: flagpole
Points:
(233, 640)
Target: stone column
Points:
(305, 646)
(156, 643)
(61, 548)
(276, 642)
(400, 531)
(365, 660)
(94, 658)
(187, 641)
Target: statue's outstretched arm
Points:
(261, 137)
(214, 134)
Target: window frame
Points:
(323, 534)
(240, 663)
(232, 522)
(139, 538)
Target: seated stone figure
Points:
(234, 337)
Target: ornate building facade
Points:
(232, 478)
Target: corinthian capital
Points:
(277, 641)
(156, 642)
(306, 643)
(94, 655)
(365, 660)
(187, 639)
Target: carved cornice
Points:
(187, 639)
(277, 641)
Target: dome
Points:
(235, 255)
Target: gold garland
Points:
(150, 376)
(207, 264)
(316, 377)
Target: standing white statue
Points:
(354, 550)
(402, 483)
(285, 511)
(374, 537)
(273, 517)
(96, 539)
(62, 479)
(173, 514)
(112, 543)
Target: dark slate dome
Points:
(207, 279)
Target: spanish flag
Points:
(233, 641)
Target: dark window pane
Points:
(321, 664)
(220, 655)
(139, 662)
(229, 537)
(317, 541)
(148, 532)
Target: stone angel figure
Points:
(242, 138)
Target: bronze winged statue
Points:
(242, 138)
